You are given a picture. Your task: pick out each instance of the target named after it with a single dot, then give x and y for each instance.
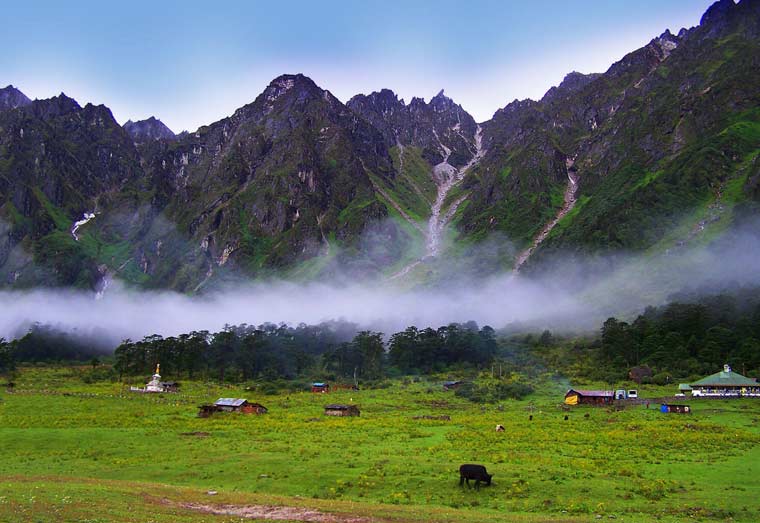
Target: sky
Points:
(192, 63)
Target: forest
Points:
(334, 350)
(693, 335)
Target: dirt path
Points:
(274, 512)
(569, 202)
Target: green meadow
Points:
(73, 451)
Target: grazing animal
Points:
(530, 418)
(474, 472)
(566, 417)
(499, 428)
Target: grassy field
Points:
(91, 452)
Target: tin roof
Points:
(592, 393)
(726, 377)
(319, 384)
(335, 406)
(229, 402)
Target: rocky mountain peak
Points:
(291, 83)
(148, 130)
(717, 12)
(10, 98)
(667, 41)
(55, 106)
(726, 16)
(572, 82)
(384, 100)
(441, 102)
(515, 106)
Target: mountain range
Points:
(658, 152)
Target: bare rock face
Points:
(10, 98)
(148, 130)
(295, 173)
(441, 128)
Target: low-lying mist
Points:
(570, 293)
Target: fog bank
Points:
(569, 293)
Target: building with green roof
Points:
(726, 384)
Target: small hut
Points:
(670, 408)
(170, 386)
(205, 411)
(231, 405)
(320, 387)
(452, 385)
(254, 408)
(589, 397)
(341, 410)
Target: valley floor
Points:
(97, 453)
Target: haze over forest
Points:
(613, 191)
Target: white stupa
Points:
(154, 385)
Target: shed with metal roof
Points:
(231, 405)
(589, 397)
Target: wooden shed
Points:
(170, 386)
(589, 397)
(231, 405)
(205, 411)
(320, 387)
(254, 408)
(341, 410)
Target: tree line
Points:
(330, 350)
(693, 335)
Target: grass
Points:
(98, 446)
(58, 216)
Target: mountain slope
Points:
(658, 152)
(287, 178)
(57, 161)
(664, 131)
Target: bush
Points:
(493, 392)
(662, 378)
(98, 374)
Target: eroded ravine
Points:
(446, 177)
(569, 202)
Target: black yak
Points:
(476, 472)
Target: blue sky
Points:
(191, 63)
